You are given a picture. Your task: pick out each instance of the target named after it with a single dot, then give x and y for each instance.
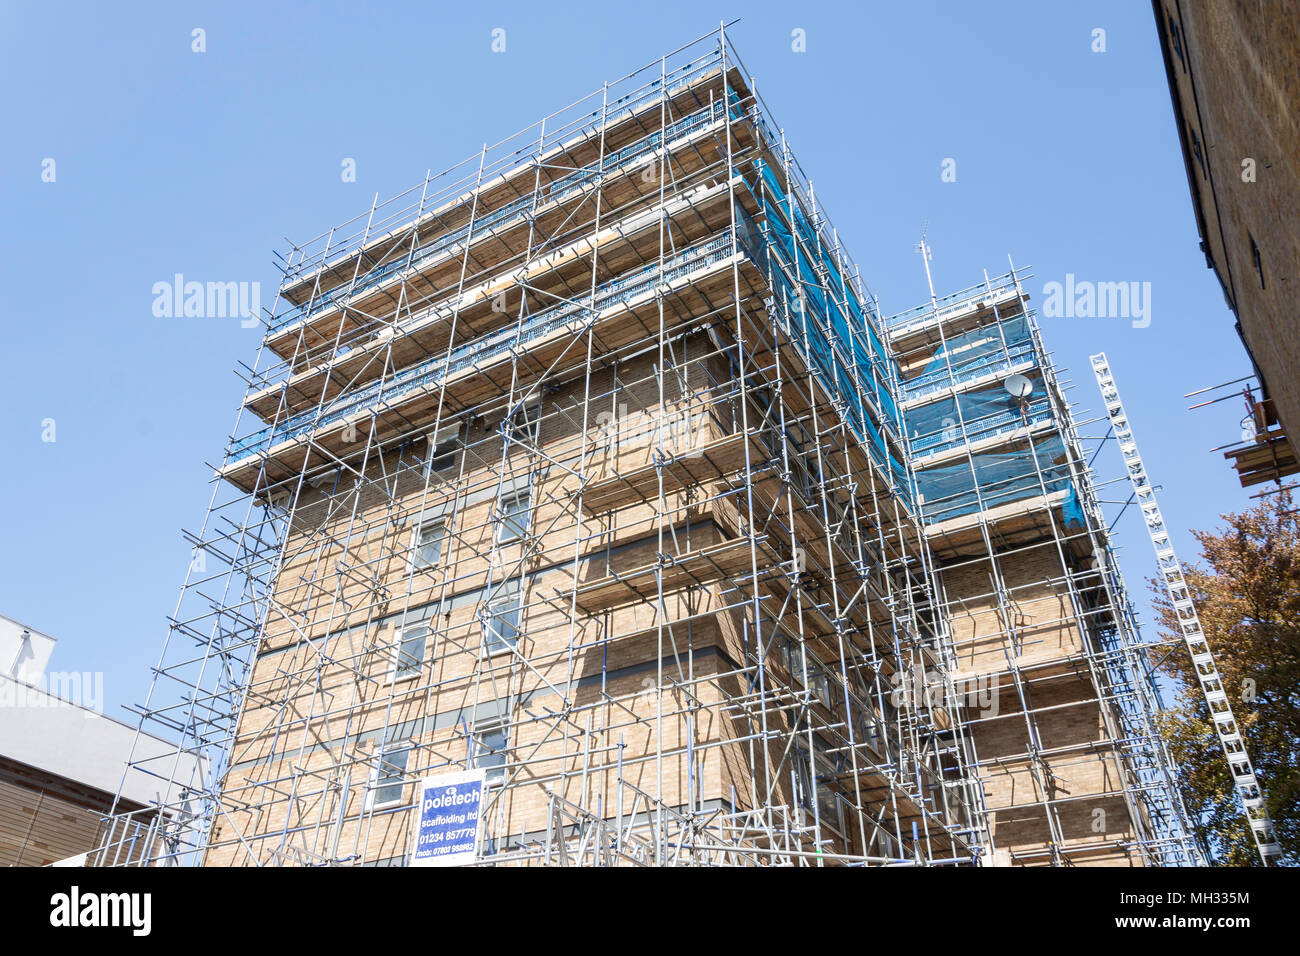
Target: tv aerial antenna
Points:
(927, 254)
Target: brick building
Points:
(64, 765)
(1234, 74)
(592, 465)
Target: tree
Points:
(1247, 592)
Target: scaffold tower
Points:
(591, 464)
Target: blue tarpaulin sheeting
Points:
(982, 351)
(1072, 509)
(846, 367)
(948, 491)
(985, 412)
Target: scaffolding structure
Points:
(1073, 767)
(588, 462)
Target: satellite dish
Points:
(1019, 386)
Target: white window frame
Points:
(403, 747)
(885, 844)
(820, 678)
(512, 600)
(427, 521)
(505, 532)
(495, 774)
(869, 729)
(792, 658)
(434, 439)
(395, 671)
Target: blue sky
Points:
(171, 161)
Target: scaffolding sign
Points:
(447, 818)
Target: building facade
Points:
(64, 765)
(1070, 760)
(1234, 75)
(592, 464)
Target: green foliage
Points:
(1247, 592)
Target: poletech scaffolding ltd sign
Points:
(448, 818)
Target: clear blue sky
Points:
(169, 161)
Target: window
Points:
(490, 750)
(443, 446)
(429, 536)
(792, 658)
(390, 775)
(514, 514)
(524, 425)
(803, 780)
(819, 680)
(889, 710)
(866, 716)
(410, 645)
(868, 727)
(501, 626)
(828, 807)
(821, 686)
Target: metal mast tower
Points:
(1225, 724)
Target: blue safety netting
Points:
(988, 350)
(847, 353)
(1072, 508)
(973, 416)
(998, 478)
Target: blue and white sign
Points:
(447, 819)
